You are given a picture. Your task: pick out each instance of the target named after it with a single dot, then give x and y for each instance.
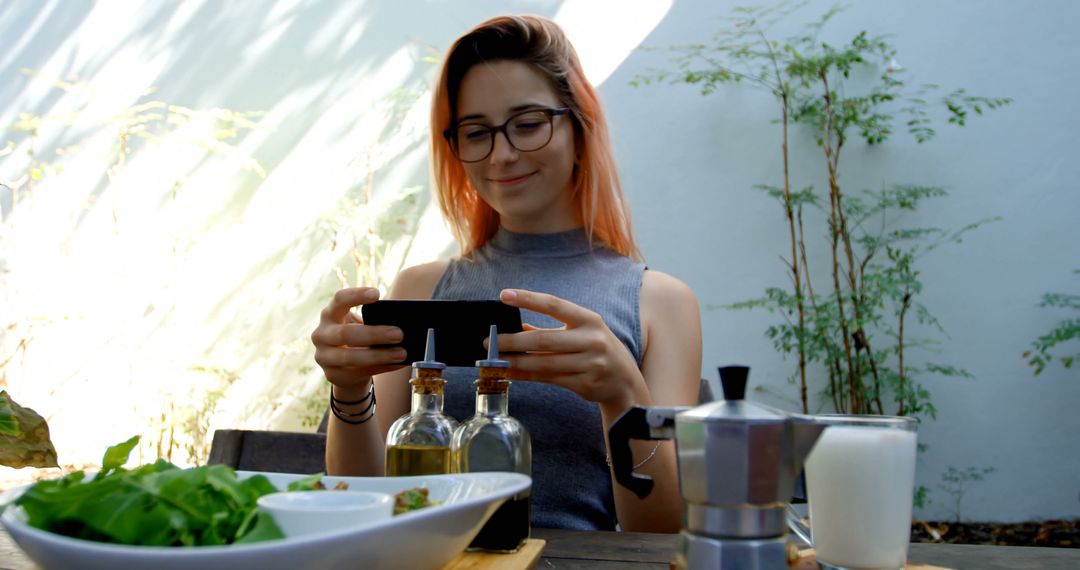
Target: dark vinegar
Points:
(507, 529)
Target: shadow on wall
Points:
(176, 255)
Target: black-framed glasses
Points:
(526, 131)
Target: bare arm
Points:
(671, 367)
(587, 358)
(342, 344)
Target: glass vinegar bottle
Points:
(418, 443)
(492, 440)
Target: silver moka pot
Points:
(738, 462)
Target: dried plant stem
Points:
(865, 339)
(834, 364)
(838, 233)
(900, 395)
(796, 275)
(369, 185)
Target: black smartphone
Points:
(460, 326)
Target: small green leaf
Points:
(117, 455)
(264, 528)
(305, 484)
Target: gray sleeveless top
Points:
(571, 485)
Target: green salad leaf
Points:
(412, 500)
(158, 504)
(309, 483)
(117, 455)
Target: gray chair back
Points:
(271, 451)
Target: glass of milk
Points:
(860, 477)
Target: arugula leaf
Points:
(157, 504)
(264, 529)
(411, 500)
(309, 483)
(116, 456)
(125, 515)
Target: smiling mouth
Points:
(512, 181)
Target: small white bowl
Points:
(301, 513)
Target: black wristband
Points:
(347, 417)
(370, 394)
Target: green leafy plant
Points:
(856, 324)
(921, 497)
(314, 409)
(1066, 331)
(146, 124)
(370, 228)
(371, 232)
(956, 483)
(369, 235)
(157, 504)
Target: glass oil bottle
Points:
(492, 440)
(418, 443)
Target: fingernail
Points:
(394, 335)
(371, 294)
(508, 294)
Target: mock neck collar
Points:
(559, 244)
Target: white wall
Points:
(689, 162)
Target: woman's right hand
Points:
(343, 343)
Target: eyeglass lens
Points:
(526, 132)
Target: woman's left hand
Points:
(583, 356)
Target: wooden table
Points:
(572, 550)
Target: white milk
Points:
(860, 481)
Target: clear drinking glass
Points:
(860, 479)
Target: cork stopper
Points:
(427, 381)
(427, 373)
(492, 369)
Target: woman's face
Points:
(531, 191)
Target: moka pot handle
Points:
(638, 422)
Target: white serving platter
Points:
(424, 539)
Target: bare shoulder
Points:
(418, 281)
(671, 333)
(668, 305)
(662, 291)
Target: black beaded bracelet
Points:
(347, 416)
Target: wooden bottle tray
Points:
(525, 558)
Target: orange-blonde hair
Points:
(539, 42)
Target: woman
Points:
(524, 172)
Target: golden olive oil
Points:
(404, 460)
